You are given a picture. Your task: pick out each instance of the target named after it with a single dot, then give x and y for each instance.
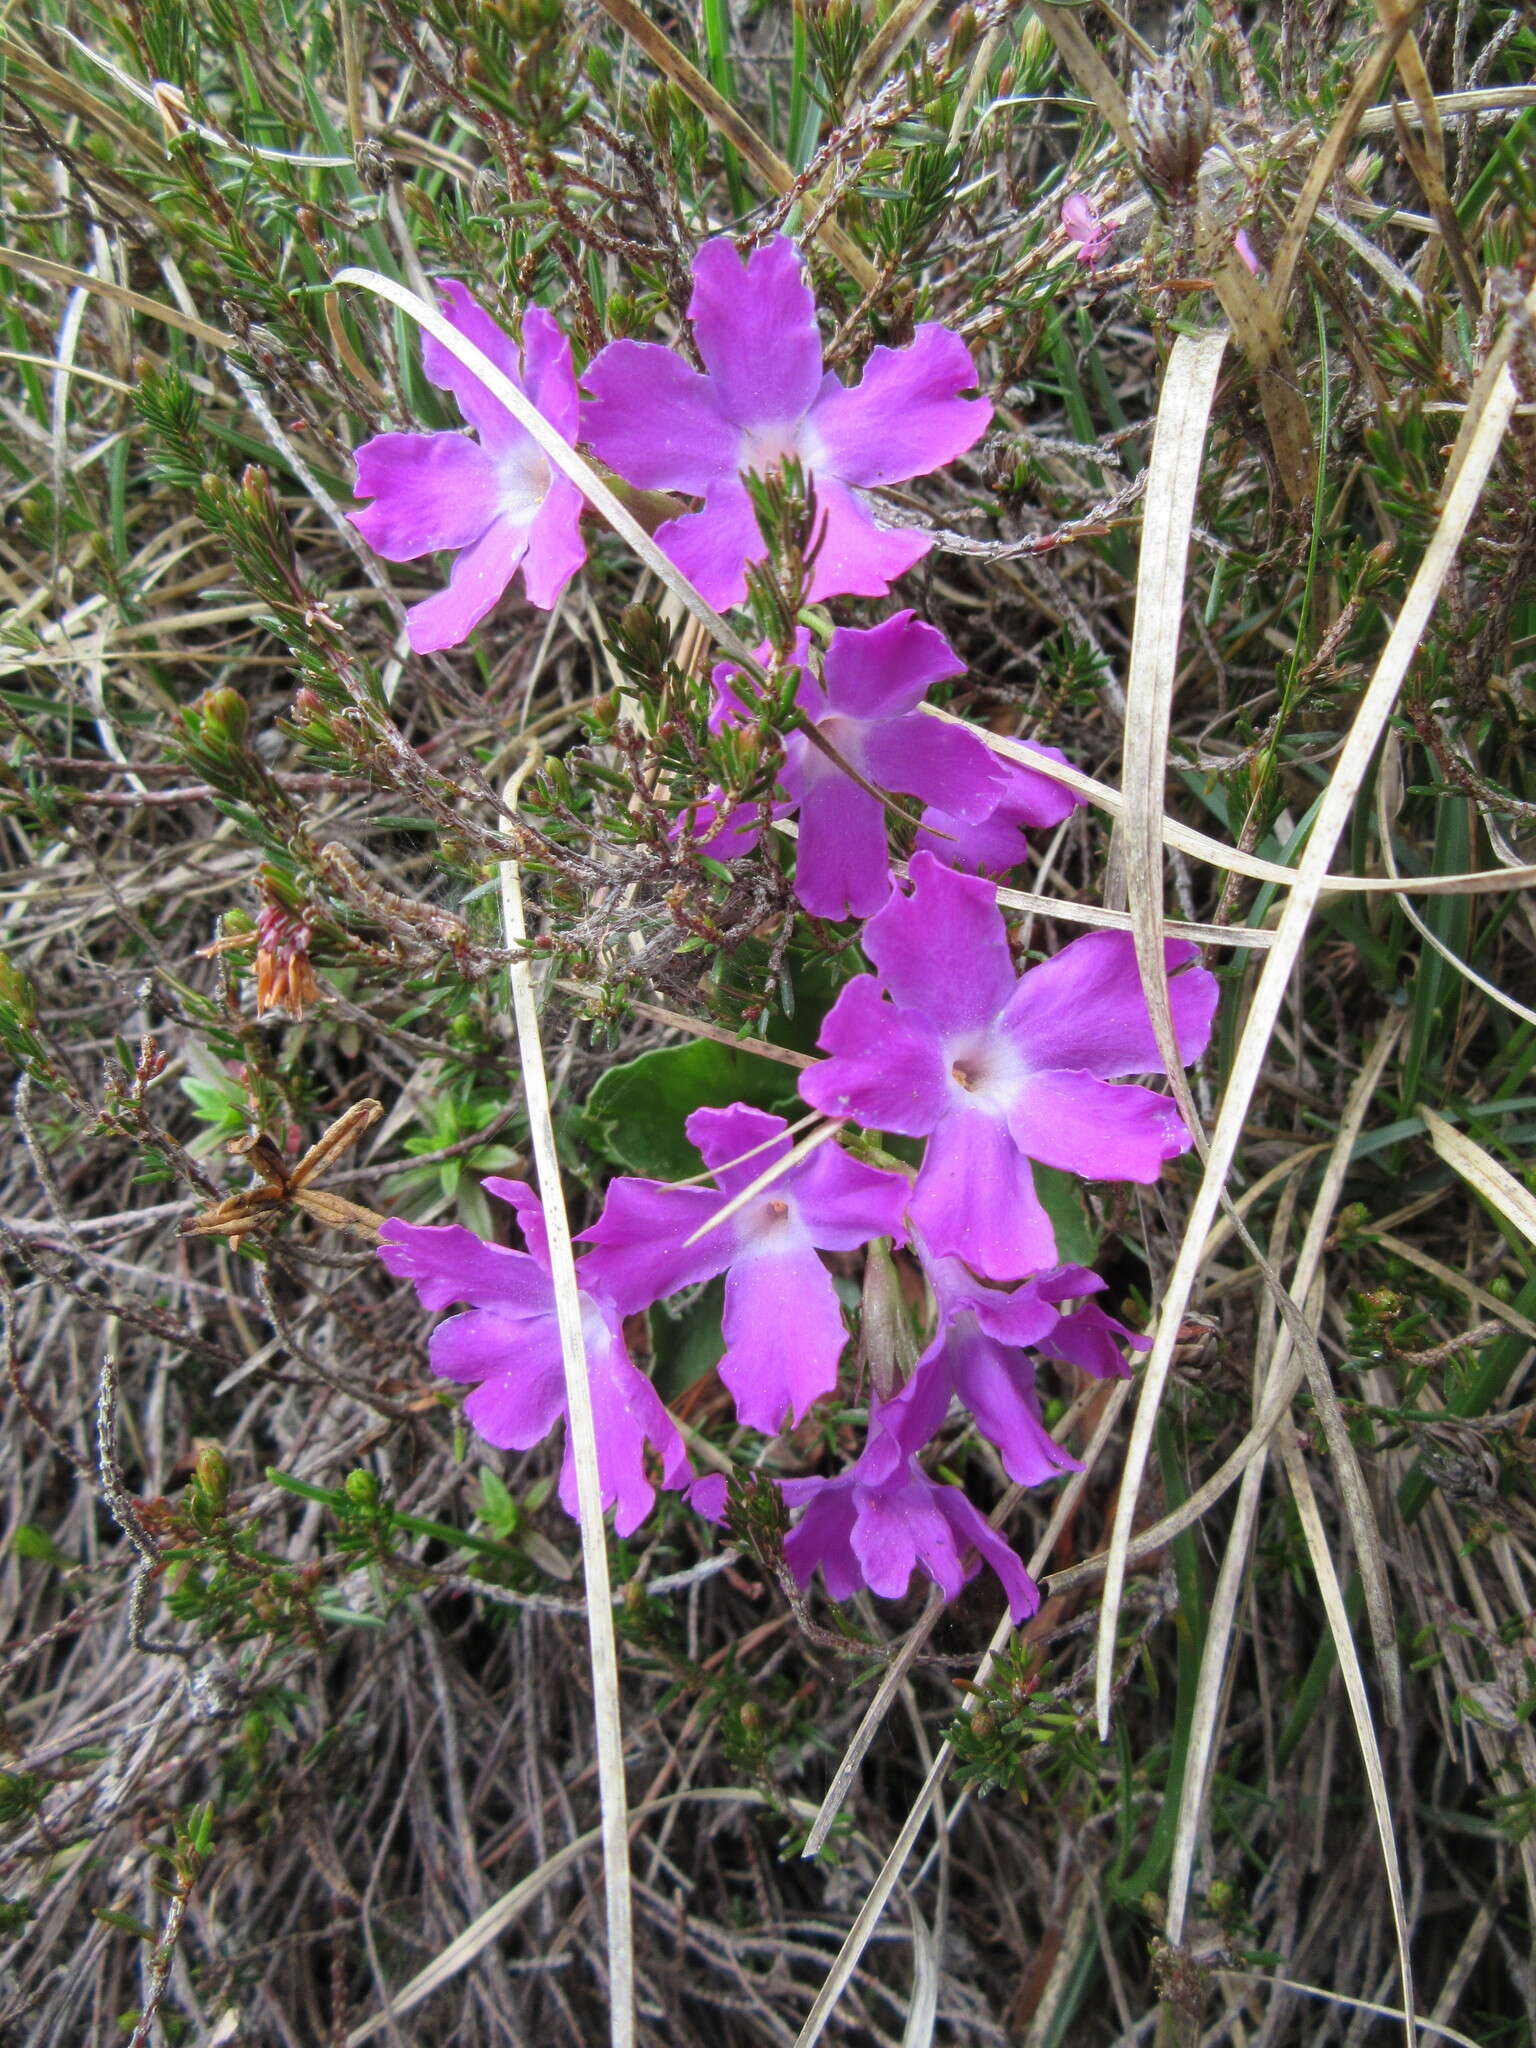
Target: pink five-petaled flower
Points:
(508, 1341)
(1082, 223)
(783, 1326)
(883, 1517)
(984, 1351)
(764, 397)
(497, 500)
(865, 706)
(946, 1041)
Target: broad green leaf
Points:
(635, 1114)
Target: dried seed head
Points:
(1171, 118)
(375, 165)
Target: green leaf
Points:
(636, 1113)
(497, 1507)
(686, 1345)
(1061, 1196)
(30, 1541)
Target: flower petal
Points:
(857, 558)
(556, 549)
(476, 584)
(994, 844)
(972, 1528)
(1098, 1129)
(627, 1414)
(885, 671)
(845, 1202)
(482, 1345)
(498, 429)
(713, 547)
(706, 1496)
(784, 1335)
(1084, 1008)
(942, 764)
(756, 330)
(899, 1527)
(842, 862)
(824, 1536)
(448, 1263)
(721, 1136)
(997, 1384)
(524, 1202)
(975, 1199)
(548, 375)
(641, 1253)
(655, 421)
(432, 491)
(905, 416)
(886, 1070)
(1021, 1317)
(942, 948)
(1092, 1340)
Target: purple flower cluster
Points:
(943, 1040)
(762, 398)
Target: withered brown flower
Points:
(281, 1187)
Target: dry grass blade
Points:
(104, 287)
(1230, 1579)
(589, 1489)
(496, 1919)
(1359, 1703)
(1389, 782)
(1481, 443)
(1230, 859)
(1386, 2012)
(1494, 1183)
(1459, 1283)
(1178, 446)
(1246, 937)
(1326, 164)
(1261, 336)
(723, 117)
(887, 43)
(1426, 159)
(560, 453)
(1061, 24)
(1483, 436)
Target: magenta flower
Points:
(883, 1518)
(496, 500)
(507, 1346)
(946, 1041)
(865, 703)
(1026, 798)
(783, 1326)
(1081, 221)
(983, 1352)
(764, 397)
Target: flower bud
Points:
(887, 1346)
(1170, 113)
(212, 1470)
(17, 993)
(223, 718)
(362, 1489)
